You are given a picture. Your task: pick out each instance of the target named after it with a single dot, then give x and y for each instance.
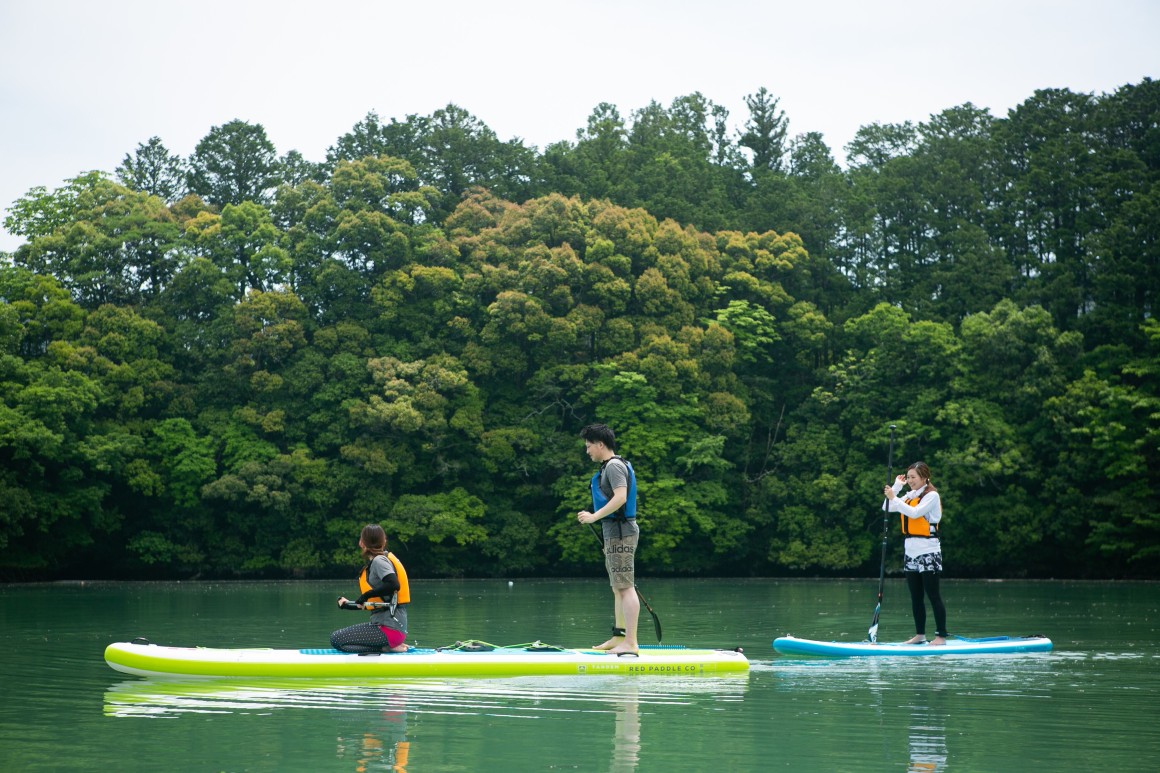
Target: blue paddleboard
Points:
(956, 645)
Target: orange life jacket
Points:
(402, 596)
(918, 527)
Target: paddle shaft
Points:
(370, 605)
(885, 533)
(643, 600)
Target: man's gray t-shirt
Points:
(613, 476)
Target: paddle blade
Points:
(873, 635)
(656, 620)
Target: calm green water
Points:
(1092, 704)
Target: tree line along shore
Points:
(223, 365)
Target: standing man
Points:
(614, 505)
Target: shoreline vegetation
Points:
(221, 366)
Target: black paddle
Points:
(643, 600)
(885, 532)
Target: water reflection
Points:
(619, 705)
(905, 706)
(927, 742)
(1011, 674)
(371, 753)
(385, 749)
(172, 699)
(626, 739)
(518, 697)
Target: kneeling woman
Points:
(385, 591)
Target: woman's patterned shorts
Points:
(927, 562)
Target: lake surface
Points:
(1092, 704)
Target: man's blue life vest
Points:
(628, 509)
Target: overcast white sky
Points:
(82, 82)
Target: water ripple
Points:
(527, 698)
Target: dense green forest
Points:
(222, 365)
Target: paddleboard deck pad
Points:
(473, 658)
(792, 645)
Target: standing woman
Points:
(921, 511)
(383, 582)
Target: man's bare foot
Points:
(918, 639)
(400, 648)
(624, 649)
(615, 640)
(938, 640)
